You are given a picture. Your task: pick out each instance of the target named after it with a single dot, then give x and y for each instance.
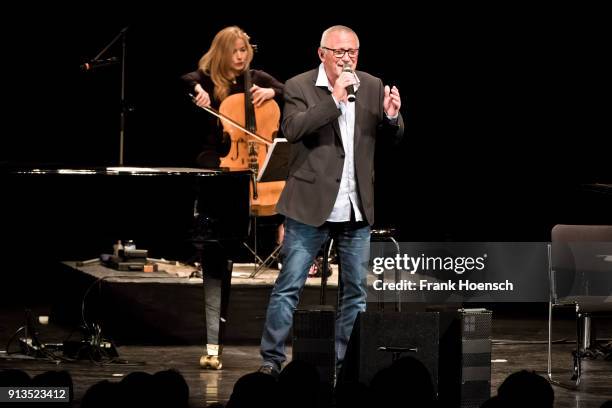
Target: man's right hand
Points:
(345, 79)
(201, 98)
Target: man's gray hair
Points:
(332, 29)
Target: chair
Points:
(580, 275)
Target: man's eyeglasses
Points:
(339, 52)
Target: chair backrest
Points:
(581, 261)
(581, 233)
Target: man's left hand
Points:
(392, 102)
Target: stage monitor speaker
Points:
(314, 339)
(454, 346)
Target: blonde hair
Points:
(216, 62)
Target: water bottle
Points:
(118, 248)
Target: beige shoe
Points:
(211, 362)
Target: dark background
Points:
(505, 107)
(506, 110)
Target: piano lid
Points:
(91, 208)
(599, 188)
(128, 170)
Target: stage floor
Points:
(207, 387)
(519, 332)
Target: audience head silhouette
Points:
(102, 394)
(254, 390)
(14, 378)
(526, 389)
(408, 376)
(299, 383)
(175, 389)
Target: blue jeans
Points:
(300, 247)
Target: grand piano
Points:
(51, 215)
(67, 213)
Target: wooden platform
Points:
(178, 273)
(167, 307)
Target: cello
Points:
(251, 141)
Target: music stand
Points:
(275, 168)
(276, 165)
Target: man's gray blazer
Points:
(310, 124)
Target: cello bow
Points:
(232, 122)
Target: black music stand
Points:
(275, 168)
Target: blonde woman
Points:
(220, 74)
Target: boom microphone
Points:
(94, 64)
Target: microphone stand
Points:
(124, 107)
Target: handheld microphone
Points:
(350, 90)
(94, 64)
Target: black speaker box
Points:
(454, 346)
(314, 339)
